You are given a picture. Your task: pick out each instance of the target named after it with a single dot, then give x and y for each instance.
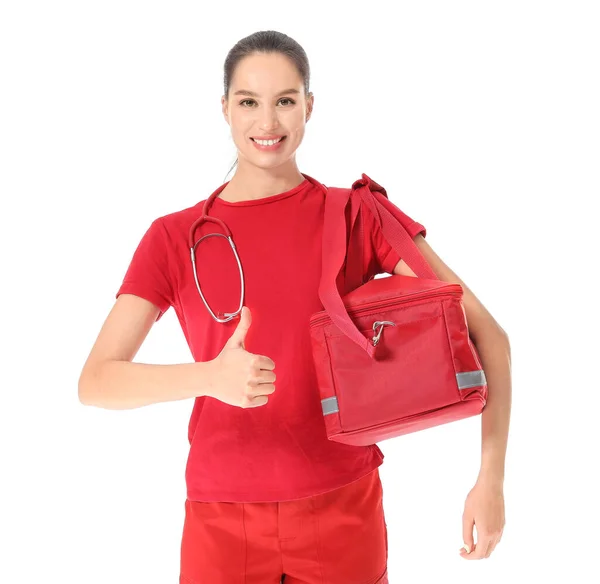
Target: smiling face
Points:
(272, 104)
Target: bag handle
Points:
(334, 248)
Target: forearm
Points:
(494, 350)
(121, 385)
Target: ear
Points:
(310, 102)
(224, 108)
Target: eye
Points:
(292, 102)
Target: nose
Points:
(269, 120)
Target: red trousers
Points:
(339, 537)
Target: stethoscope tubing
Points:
(192, 246)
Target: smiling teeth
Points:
(267, 142)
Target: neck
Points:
(252, 182)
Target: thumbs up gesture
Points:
(242, 379)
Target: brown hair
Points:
(266, 41)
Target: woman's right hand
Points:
(242, 379)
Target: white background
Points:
(482, 121)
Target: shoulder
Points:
(177, 222)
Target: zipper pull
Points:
(380, 324)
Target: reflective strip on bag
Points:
(330, 405)
(465, 380)
(470, 379)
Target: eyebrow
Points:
(252, 94)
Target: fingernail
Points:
(466, 548)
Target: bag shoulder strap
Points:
(334, 247)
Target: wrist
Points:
(491, 478)
(210, 377)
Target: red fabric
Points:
(148, 274)
(382, 256)
(279, 451)
(338, 537)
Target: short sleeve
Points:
(379, 255)
(148, 273)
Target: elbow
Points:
(504, 341)
(82, 389)
(85, 386)
(504, 336)
(492, 331)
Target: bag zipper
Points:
(452, 290)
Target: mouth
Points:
(280, 140)
(267, 148)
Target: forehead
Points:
(266, 72)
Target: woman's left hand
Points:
(484, 509)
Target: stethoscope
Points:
(204, 217)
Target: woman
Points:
(268, 495)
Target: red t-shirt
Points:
(279, 451)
